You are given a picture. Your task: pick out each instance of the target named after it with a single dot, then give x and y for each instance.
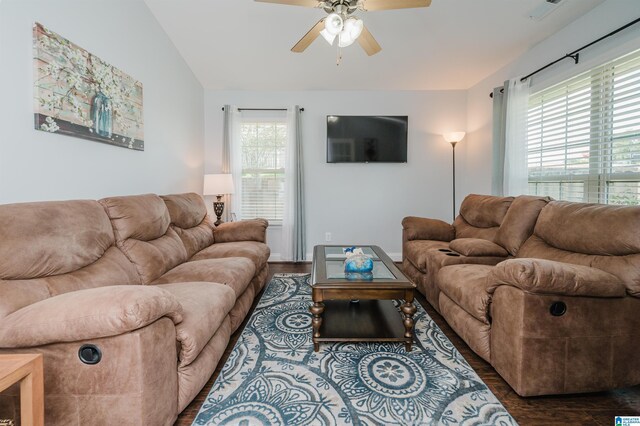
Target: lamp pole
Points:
(453, 138)
(453, 145)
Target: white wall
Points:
(360, 203)
(476, 153)
(39, 166)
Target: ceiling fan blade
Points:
(373, 5)
(305, 3)
(368, 43)
(309, 37)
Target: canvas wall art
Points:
(78, 94)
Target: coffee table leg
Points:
(408, 309)
(317, 309)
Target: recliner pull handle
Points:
(89, 354)
(558, 309)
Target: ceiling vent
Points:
(542, 11)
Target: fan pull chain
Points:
(339, 58)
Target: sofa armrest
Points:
(88, 314)
(420, 228)
(551, 277)
(477, 247)
(244, 230)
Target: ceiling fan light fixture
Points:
(328, 36)
(333, 24)
(352, 29)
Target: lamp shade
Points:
(352, 29)
(328, 36)
(333, 23)
(218, 184)
(454, 137)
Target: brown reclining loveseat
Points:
(488, 230)
(145, 285)
(563, 315)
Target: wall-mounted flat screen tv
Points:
(367, 139)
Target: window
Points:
(263, 165)
(583, 136)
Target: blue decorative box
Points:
(357, 261)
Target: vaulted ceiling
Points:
(453, 44)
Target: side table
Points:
(26, 369)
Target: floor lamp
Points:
(453, 138)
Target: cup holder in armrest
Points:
(445, 250)
(453, 254)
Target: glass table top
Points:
(335, 271)
(333, 252)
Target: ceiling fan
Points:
(340, 23)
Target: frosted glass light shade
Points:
(333, 24)
(352, 29)
(328, 36)
(218, 184)
(452, 137)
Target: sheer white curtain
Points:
(510, 138)
(232, 156)
(515, 154)
(293, 222)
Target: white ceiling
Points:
(245, 45)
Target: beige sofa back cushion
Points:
(590, 228)
(519, 221)
(484, 211)
(190, 220)
(601, 236)
(142, 232)
(480, 216)
(49, 248)
(51, 238)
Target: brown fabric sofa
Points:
(563, 315)
(488, 230)
(147, 280)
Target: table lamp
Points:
(218, 184)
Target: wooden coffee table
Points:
(374, 318)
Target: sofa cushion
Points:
(580, 228)
(142, 217)
(185, 210)
(234, 272)
(519, 221)
(466, 285)
(141, 227)
(257, 252)
(417, 251)
(484, 211)
(465, 230)
(205, 306)
(477, 247)
(51, 238)
(49, 248)
(190, 220)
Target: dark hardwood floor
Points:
(585, 409)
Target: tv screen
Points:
(367, 139)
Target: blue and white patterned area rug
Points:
(273, 376)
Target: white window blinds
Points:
(263, 164)
(583, 136)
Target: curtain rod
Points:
(575, 55)
(264, 109)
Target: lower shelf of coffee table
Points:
(365, 321)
